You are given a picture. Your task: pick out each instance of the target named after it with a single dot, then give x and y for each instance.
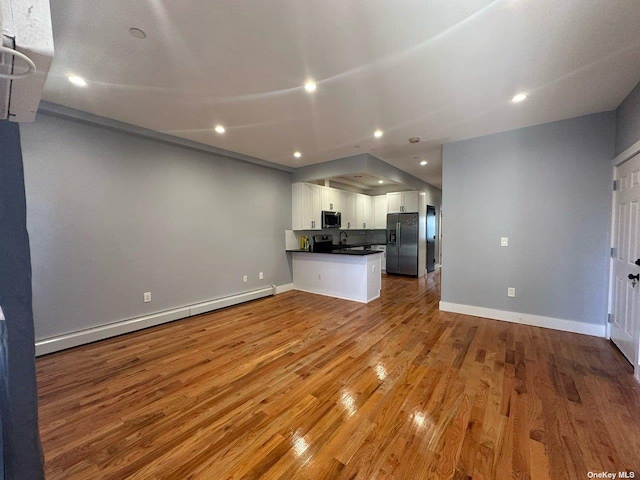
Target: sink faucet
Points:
(345, 237)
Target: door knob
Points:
(635, 278)
(638, 262)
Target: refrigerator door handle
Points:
(399, 233)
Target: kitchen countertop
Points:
(342, 251)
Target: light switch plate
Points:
(147, 297)
(504, 241)
(511, 292)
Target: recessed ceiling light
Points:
(219, 129)
(77, 81)
(310, 86)
(297, 154)
(519, 97)
(137, 33)
(423, 162)
(378, 133)
(380, 181)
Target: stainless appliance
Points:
(330, 219)
(322, 243)
(431, 238)
(402, 243)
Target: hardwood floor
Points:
(300, 386)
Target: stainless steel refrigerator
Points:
(402, 243)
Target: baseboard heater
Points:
(62, 342)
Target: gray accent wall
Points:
(113, 214)
(547, 188)
(628, 121)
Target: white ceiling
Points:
(441, 70)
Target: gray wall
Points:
(547, 188)
(113, 215)
(628, 121)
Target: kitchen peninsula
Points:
(350, 274)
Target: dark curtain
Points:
(21, 449)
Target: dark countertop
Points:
(342, 251)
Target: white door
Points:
(626, 265)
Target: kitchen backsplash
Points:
(355, 237)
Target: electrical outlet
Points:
(261, 275)
(147, 297)
(504, 241)
(373, 268)
(511, 292)
(245, 279)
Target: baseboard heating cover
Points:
(62, 342)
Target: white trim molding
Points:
(74, 339)
(284, 288)
(526, 319)
(627, 154)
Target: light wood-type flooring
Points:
(302, 386)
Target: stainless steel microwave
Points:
(330, 219)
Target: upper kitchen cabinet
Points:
(331, 199)
(348, 209)
(380, 212)
(306, 206)
(364, 211)
(403, 202)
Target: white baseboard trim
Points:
(526, 319)
(62, 342)
(284, 288)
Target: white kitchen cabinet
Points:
(364, 211)
(411, 202)
(331, 199)
(348, 210)
(306, 206)
(380, 212)
(403, 202)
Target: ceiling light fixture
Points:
(297, 154)
(423, 163)
(378, 133)
(220, 129)
(77, 81)
(520, 97)
(310, 86)
(380, 181)
(137, 33)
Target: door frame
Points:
(630, 152)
